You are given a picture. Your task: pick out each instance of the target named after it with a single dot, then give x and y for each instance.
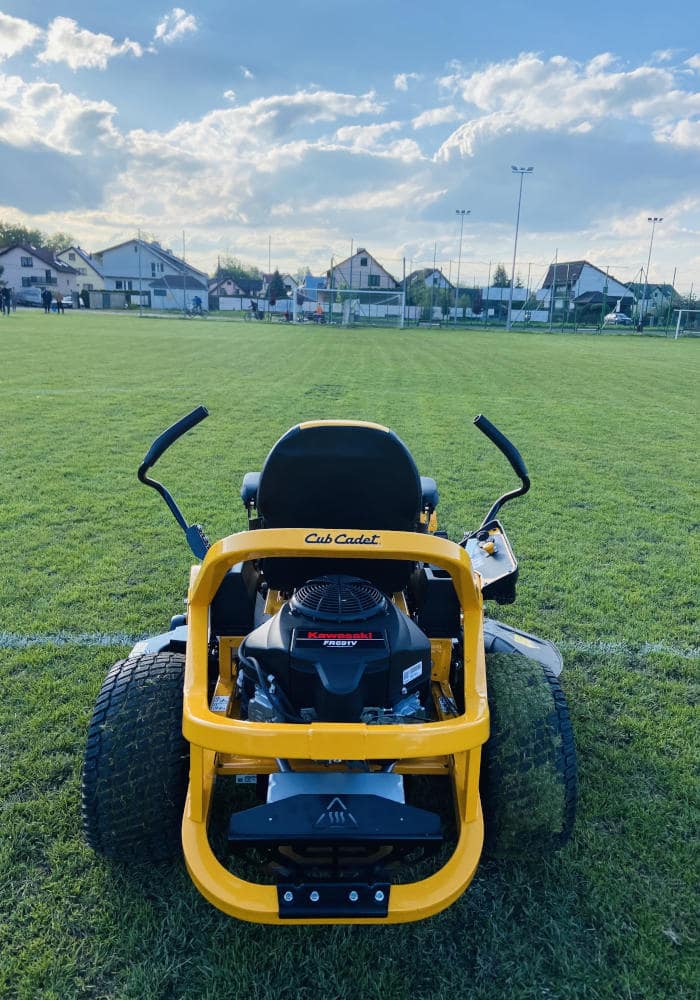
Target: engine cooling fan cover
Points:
(338, 599)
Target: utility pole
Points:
(670, 300)
(653, 219)
(140, 298)
(521, 171)
(184, 277)
(552, 290)
(461, 212)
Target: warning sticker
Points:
(219, 703)
(410, 673)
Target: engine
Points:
(337, 651)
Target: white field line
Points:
(10, 640)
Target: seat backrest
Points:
(339, 474)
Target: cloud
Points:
(436, 116)
(396, 196)
(16, 34)
(664, 55)
(42, 114)
(370, 139)
(247, 73)
(560, 94)
(174, 25)
(401, 80)
(694, 62)
(82, 49)
(230, 95)
(684, 133)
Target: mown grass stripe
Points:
(9, 640)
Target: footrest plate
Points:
(333, 899)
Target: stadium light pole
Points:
(653, 219)
(522, 171)
(461, 212)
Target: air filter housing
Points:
(337, 647)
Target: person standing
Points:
(59, 301)
(6, 300)
(46, 300)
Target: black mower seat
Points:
(339, 474)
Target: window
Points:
(162, 268)
(129, 285)
(159, 292)
(82, 270)
(47, 272)
(119, 285)
(363, 262)
(373, 281)
(153, 270)
(26, 262)
(71, 256)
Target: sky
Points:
(291, 132)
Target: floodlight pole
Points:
(522, 171)
(653, 219)
(461, 212)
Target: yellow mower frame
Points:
(222, 744)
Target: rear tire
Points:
(136, 764)
(528, 770)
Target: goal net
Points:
(687, 322)
(351, 306)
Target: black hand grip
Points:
(164, 441)
(504, 445)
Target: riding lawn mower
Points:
(334, 732)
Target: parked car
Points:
(68, 301)
(29, 297)
(618, 319)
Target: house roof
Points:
(167, 255)
(86, 258)
(668, 291)
(570, 270)
(596, 299)
(361, 252)
(249, 286)
(43, 254)
(176, 281)
(423, 273)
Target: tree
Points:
(301, 274)
(13, 232)
(500, 277)
(232, 267)
(59, 241)
(276, 288)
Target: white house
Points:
(132, 267)
(362, 270)
(27, 266)
(573, 279)
(431, 277)
(177, 292)
(88, 273)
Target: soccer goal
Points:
(688, 322)
(352, 306)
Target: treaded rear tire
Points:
(136, 764)
(528, 770)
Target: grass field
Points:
(607, 541)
